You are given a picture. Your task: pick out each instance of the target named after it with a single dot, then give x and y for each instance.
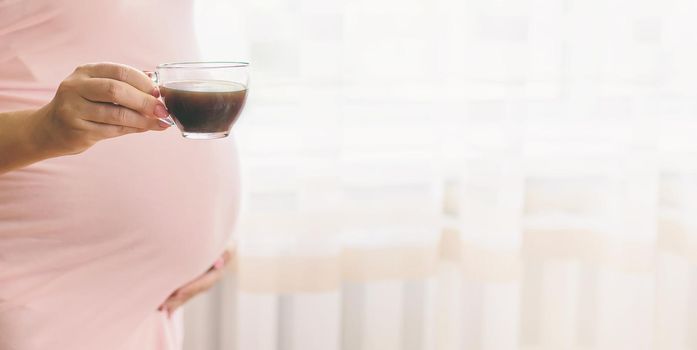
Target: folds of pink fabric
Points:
(18, 95)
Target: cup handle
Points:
(155, 78)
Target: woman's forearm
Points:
(20, 145)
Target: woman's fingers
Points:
(191, 289)
(223, 260)
(107, 131)
(107, 113)
(122, 85)
(123, 94)
(199, 285)
(120, 72)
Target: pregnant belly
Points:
(96, 242)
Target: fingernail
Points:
(155, 92)
(219, 264)
(162, 124)
(161, 111)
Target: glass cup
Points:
(204, 99)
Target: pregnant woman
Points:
(109, 220)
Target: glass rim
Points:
(204, 64)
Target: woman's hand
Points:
(96, 102)
(197, 286)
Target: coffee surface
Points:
(204, 106)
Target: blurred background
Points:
(460, 174)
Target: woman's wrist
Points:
(37, 135)
(23, 140)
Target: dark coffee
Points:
(204, 106)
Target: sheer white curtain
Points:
(442, 174)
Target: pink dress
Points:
(92, 244)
